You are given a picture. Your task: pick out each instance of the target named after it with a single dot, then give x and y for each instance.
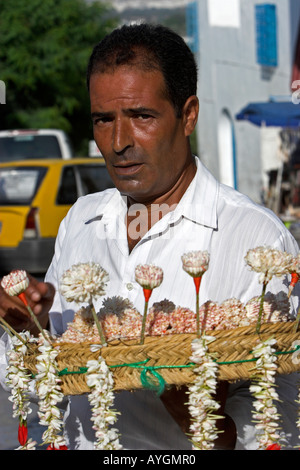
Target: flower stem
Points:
(147, 294)
(144, 323)
(99, 327)
(294, 280)
(261, 308)
(11, 331)
(297, 322)
(33, 316)
(199, 330)
(197, 282)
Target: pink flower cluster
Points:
(15, 282)
(195, 263)
(163, 318)
(149, 276)
(119, 319)
(232, 313)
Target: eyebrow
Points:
(143, 110)
(99, 115)
(138, 110)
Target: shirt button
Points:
(129, 286)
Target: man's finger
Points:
(40, 291)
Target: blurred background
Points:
(248, 55)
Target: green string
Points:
(152, 380)
(150, 383)
(277, 353)
(81, 370)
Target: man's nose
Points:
(122, 137)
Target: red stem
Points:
(295, 279)
(197, 282)
(147, 294)
(23, 298)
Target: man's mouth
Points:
(128, 168)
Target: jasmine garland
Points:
(100, 379)
(18, 379)
(263, 390)
(202, 405)
(49, 392)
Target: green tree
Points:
(44, 50)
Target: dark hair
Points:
(149, 47)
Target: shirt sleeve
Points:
(57, 318)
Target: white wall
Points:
(230, 78)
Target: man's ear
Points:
(190, 114)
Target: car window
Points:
(25, 147)
(18, 185)
(94, 178)
(67, 191)
(78, 180)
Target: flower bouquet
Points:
(117, 348)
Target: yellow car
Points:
(35, 195)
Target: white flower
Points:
(269, 262)
(100, 380)
(49, 393)
(202, 405)
(84, 282)
(263, 390)
(15, 282)
(30, 445)
(18, 377)
(295, 265)
(195, 263)
(148, 275)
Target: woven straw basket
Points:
(169, 356)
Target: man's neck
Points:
(142, 216)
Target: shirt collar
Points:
(199, 203)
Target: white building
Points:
(235, 68)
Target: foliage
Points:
(44, 50)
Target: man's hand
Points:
(39, 296)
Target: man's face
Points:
(135, 127)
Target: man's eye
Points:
(102, 120)
(143, 117)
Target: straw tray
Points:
(169, 356)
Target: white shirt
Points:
(209, 217)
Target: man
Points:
(142, 84)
